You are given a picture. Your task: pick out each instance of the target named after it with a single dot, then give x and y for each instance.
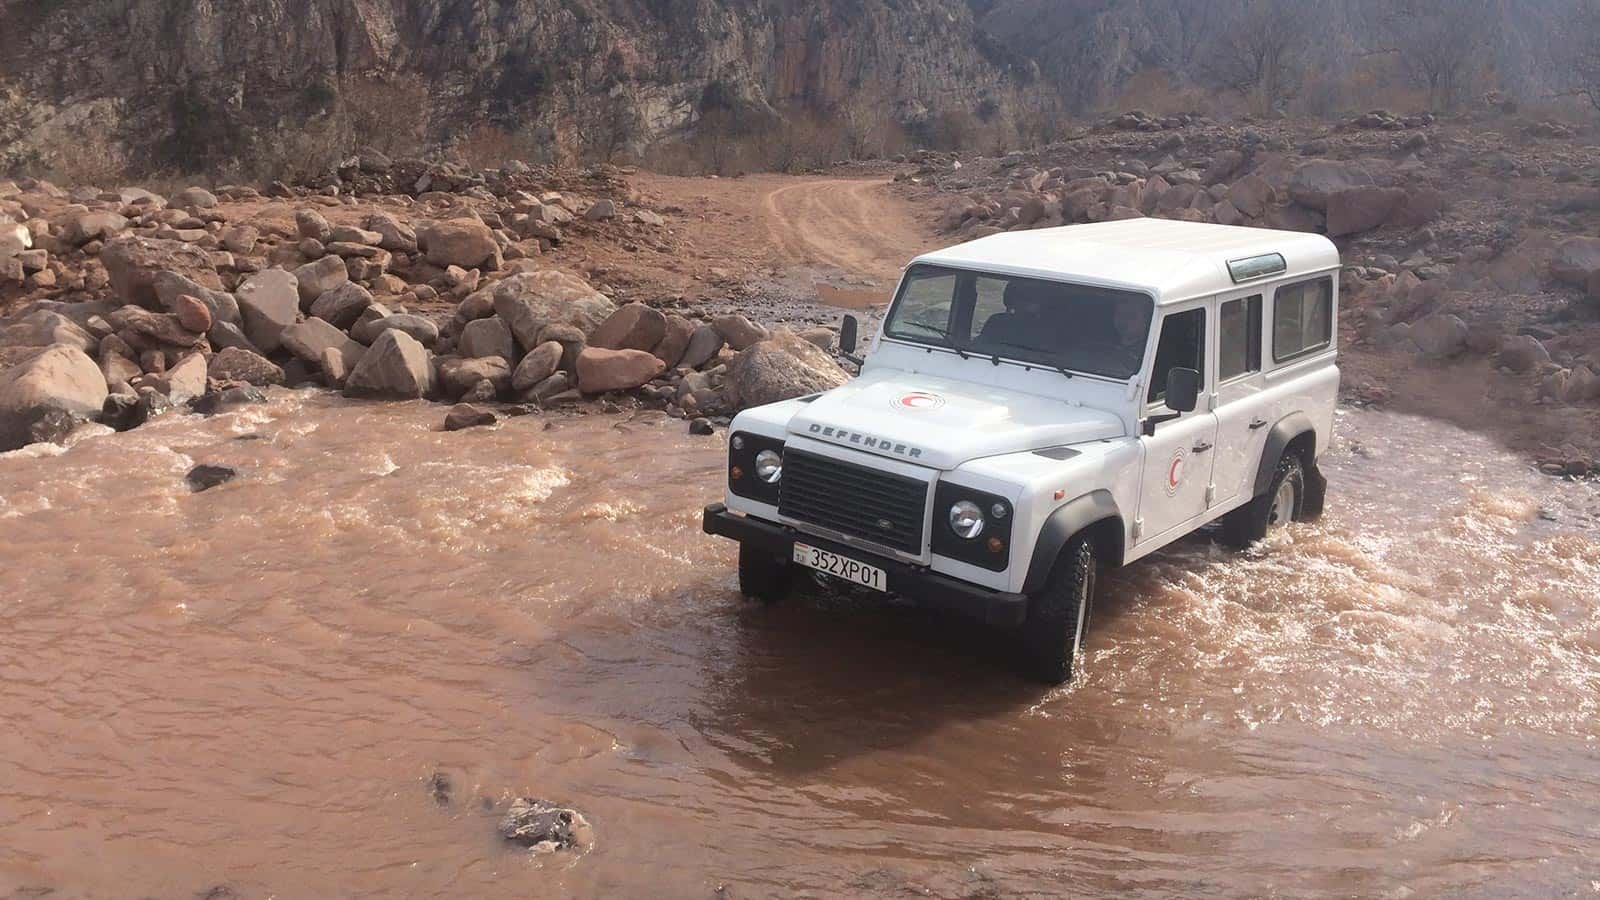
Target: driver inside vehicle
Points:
(1023, 324)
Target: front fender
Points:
(1069, 519)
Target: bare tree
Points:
(1581, 52)
(1440, 44)
(1042, 116)
(1260, 52)
(1184, 30)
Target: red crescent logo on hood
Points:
(920, 401)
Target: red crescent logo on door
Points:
(1175, 471)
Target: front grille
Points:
(855, 500)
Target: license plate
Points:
(841, 566)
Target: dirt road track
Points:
(858, 227)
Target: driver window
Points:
(1182, 346)
(990, 302)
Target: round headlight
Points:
(769, 466)
(966, 519)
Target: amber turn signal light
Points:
(996, 545)
(736, 473)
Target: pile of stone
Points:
(1139, 120)
(1384, 120)
(165, 304)
(1232, 187)
(547, 337)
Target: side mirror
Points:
(1183, 389)
(1183, 393)
(848, 332)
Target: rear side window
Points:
(1302, 318)
(1239, 330)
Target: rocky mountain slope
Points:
(188, 85)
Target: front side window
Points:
(1302, 318)
(1100, 331)
(1182, 346)
(1239, 337)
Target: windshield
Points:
(1088, 329)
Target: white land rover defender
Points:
(1040, 404)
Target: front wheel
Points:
(1282, 503)
(762, 576)
(1058, 615)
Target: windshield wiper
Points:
(995, 357)
(933, 328)
(1058, 367)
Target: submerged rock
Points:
(543, 827)
(205, 477)
(465, 415)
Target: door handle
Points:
(1257, 423)
(1200, 447)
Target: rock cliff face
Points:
(174, 82)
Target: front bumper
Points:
(915, 583)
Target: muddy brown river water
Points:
(250, 688)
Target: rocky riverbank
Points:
(1472, 246)
(432, 285)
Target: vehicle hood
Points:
(941, 422)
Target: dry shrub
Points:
(89, 158)
(1158, 92)
(486, 146)
(389, 115)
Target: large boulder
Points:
(1440, 336)
(467, 243)
(487, 337)
(633, 327)
(195, 198)
(1357, 209)
(457, 376)
(14, 238)
(396, 365)
(143, 329)
(171, 286)
(239, 364)
(269, 302)
(132, 263)
(1316, 181)
(779, 368)
(93, 226)
(1575, 260)
(342, 305)
(60, 379)
(187, 379)
(1251, 195)
(674, 341)
(307, 340)
(1523, 353)
(540, 363)
(42, 328)
(317, 278)
(394, 235)
(704, 345)
(312, 225)
(601, 370)
(738, 331)
(422, 329)
(530, 302)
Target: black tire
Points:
(762, 576)
(1250, 522)
(1058, 614)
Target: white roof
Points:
(1168, 259)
